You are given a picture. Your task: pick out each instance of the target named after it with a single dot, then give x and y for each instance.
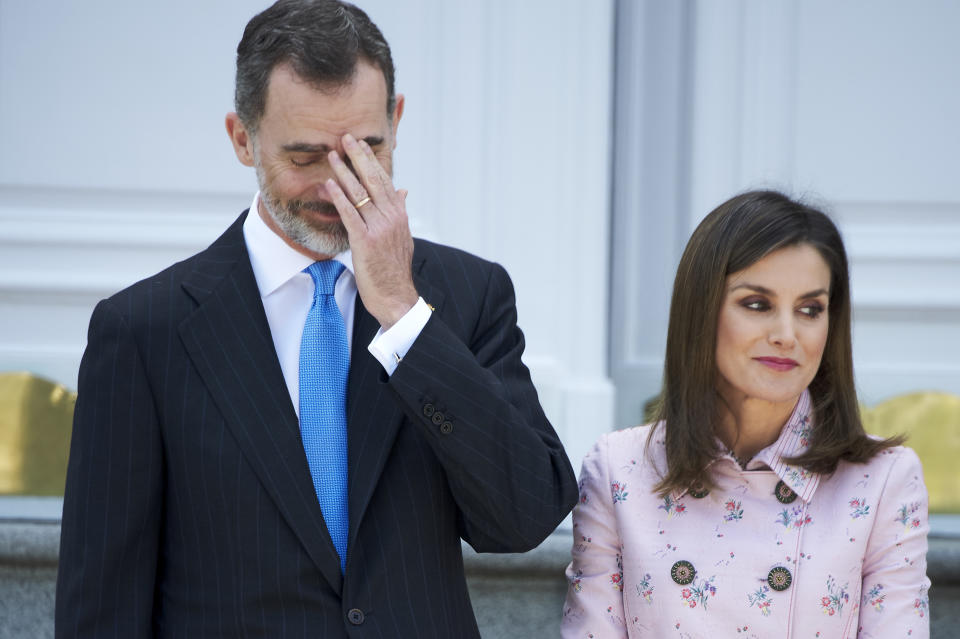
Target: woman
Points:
(755, 505)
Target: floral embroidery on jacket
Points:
(672, 507)
(836, 597)
(859, 507)
(734, 511)
(614, 618)
(875, 597)
(617, 578)
(576, 582)
(921, 605)
(761, 600)
(645, 588)
(698, 592)
(904, 515)
(619, 492)
(794, 518)
(583, 543)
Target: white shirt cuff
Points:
(390, 346)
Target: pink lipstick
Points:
(777, 363)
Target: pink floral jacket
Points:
(775, 551)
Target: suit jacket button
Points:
(437, 418)
(446, 428)
(429, 409)
(355, 616)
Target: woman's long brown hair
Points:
(733, 236)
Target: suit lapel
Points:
(228, 339)
(373, 413)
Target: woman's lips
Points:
(777, 363)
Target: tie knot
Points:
(325, 275)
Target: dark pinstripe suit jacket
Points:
(189, 509)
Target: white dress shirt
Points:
(287, 294)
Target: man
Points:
(288, 434)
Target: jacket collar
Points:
(794, 439)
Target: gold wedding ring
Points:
(361, 202)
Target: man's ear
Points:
(242, 140)
(397, 114)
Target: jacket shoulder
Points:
(636, 447)
(433, 255)
(163, 289)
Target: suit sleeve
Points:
(477, 406)
(894, 599)
(594, 604)
(111, 508)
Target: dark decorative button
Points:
(429, 409)
(355, 616)
(779, 578)
(698, 492)
(784, 494)
(683, 572)
(446, 428)
(437, 418)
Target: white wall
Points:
(852, 103)
(114, 163)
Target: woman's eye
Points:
(756, 305)
(811, 310)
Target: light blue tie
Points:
(324, 364)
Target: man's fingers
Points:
(355, 192)
(369, 171)
(380, 174)
(352, 219)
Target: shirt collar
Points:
(274, 261)
(794, 439)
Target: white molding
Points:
(768, 58)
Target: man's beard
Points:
(325, 238)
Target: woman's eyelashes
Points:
(812, 309)
(755, 304)
(809, 309)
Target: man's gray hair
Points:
(322, 40)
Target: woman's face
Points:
(772, 327)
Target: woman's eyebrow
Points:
(763, 290)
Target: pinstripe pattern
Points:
(190, 511)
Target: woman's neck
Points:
(748, 425)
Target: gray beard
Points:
(323, 238)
